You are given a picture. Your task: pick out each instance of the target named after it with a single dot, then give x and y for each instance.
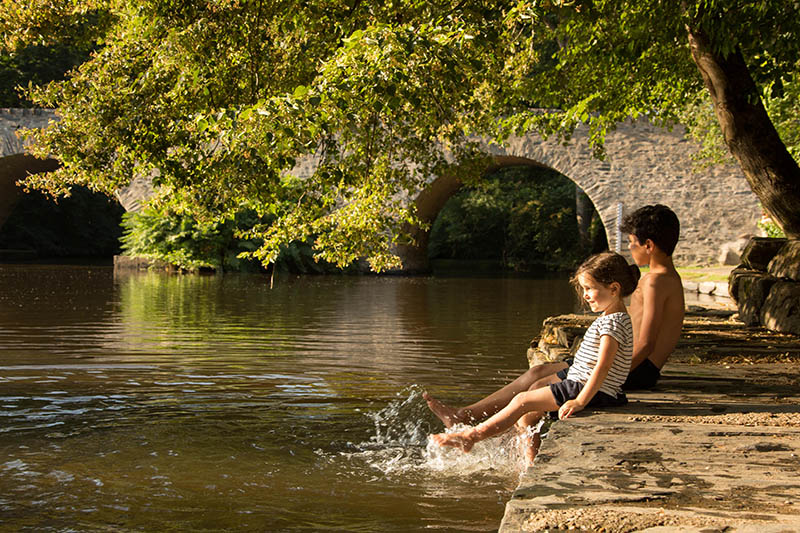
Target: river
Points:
(154, 402)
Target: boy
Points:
(656, 310)
(657, 305)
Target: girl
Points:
(598, 371)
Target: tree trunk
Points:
(749, 133)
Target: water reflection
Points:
(216, 403)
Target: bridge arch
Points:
(15, 163)
(644, 164)
(12, 169)
(433, 198)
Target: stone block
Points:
(721, 289)
(735, 277)
(760, 251)
(566, 335)
(730, 253)
(706, 287)
(781, 310)
(126, 262)
(786, 263)
(752, 293)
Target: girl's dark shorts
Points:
(567, 389)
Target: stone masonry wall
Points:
(766, 286)
(13, 120)
(647, 164)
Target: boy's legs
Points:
(530, 437)
(496, 401)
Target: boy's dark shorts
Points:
(644, 376)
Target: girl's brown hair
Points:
(606, 268)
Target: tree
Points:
(219, 100)
(41, 41)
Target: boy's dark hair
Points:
(606, 268)
(655, 222)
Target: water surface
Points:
(151, 402)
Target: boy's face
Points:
(639, 251)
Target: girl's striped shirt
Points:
(618, 326)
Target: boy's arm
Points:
(608, 349)
(653, 298)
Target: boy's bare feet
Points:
(529, 442)
(448, 415)
(456, 440)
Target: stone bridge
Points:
(644, 164)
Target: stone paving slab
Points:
(716, 447)
(619, 474)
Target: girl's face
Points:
(598, 295)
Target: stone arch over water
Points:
(433, 198)
(15, 163)
(643, 164)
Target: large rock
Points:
(730, 253)
(786, 263)
(735, 278)
(781, 310)
(760, 251)
(752, 292)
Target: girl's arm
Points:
(608, 349)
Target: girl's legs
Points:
(496, 401)
(537, 402)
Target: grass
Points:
(698, 274)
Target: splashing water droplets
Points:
(402, 444)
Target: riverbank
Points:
(706, 280)
(715, 447)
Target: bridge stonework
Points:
(644, 164)
(647, 164)
(15, 164)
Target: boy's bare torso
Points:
(667, 312)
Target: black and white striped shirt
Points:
(618, 326)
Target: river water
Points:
(150, 402)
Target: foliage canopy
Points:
(222, 100)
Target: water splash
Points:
(404, 422)
(402, 445)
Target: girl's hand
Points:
(569, 408)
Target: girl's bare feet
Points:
(456, 440)
(448, 415)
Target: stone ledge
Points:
(128, 263)
(615, 472)
(716, 288)
(715, 447)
